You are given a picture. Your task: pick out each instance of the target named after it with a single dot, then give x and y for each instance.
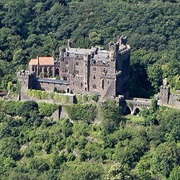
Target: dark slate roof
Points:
(53, 81)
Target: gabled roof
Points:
(42, 61)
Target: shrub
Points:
(47, 109)
(82, 112)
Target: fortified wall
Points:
(166, 98)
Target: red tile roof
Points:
(42, 61)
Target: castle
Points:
(91, 71)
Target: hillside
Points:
(143, 147)
(33, 146)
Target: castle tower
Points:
(24, 80)
(111, 79)
(164, 93)
(122, 65)
(113, 53)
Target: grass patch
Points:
(134, 118)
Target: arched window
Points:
(56, 72)
(94, 86)
(94, 77)
(77, 63)
(136, 111)
(81, 84)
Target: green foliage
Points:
(57, 97)
(86, 98)
(29, 109)
(155, 75)
(166, 158)
(10, 86)
(35, 147)
(118, 171)
(82, 112)
(170, 122)
(174, 82)
(4, 83)
(111, 115)
(175, 173)
(47, 109)
(82, 171)
(143, 170)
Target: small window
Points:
(103, 84)
(94, 77)
(64, 78)
(65, 70)
(94, 68)
(94, 86)
(67, 63)
(77, 63)
(81, 84)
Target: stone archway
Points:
(136, 111)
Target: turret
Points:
(113, 48)
(61, 53)
(164, 93)
(24, 78)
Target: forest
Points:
(143, 147)
(32, 146)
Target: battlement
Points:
(23, 74)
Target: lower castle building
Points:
(77, 70)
